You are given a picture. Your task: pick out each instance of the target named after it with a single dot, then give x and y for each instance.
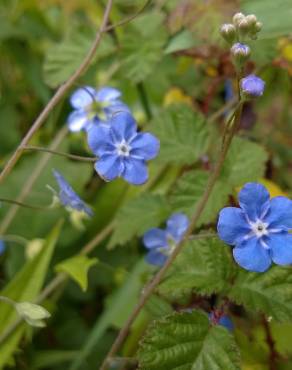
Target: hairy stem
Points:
(62, 154)
(58, 96)
(24, 205)
(149, 289)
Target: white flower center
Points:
(259, 228)
(123, 149)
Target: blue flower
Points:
(259, 229)
(92, 106)
(68, 197)
(222, 320)
(252, 86)
(2, 247)
(241, 50)
(122, 151)
(161, 243)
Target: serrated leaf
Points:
(189, 190)
(269, 292)
(183, 134)
(245, 162)
(137, 216)
(64, 58)
(24, 287)
(187, 341)
(181, 41)
(77, 268)
(204, 266)
(142, 46)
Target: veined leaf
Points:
(143, 46)
(186, 341)
(183, 134)
(189, 190)
(269, 292)
(77, 268)
(24, 287)
(204, 266)
(64, 58)
(139, 215)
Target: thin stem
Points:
(27, 186)
(144, 100)
(271, 344)
(14, 239)
(24, 205)
(62, 154)
(158, 277)
(58, 96)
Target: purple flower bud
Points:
(252, 86)
(240, 50)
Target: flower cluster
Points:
(161, 243)
(259, 230)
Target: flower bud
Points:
(258, 26)
(237, 18)
(240, 51)
(228, 32)
(243, 27)
(251, 19)
(33, 314)
(252, 86)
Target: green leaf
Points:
(245, 162)
(183, 134)
(137, 216)
(64, 58)
(204, 266)
(189, 190)
(269, 292)
(50, 358)
(181, 41)
(24, 287)
(265, 10)
(142, 46)
(77, 268)
(187, 341)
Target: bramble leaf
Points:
(186, 341)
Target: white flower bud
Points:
(243, 27)
(33, 314)
(237, 18)
(228, 32)
(240, 52)
(251, 19)
(258, 26)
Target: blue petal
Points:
(145, 146)
(109, 167)
(232, 226)
(226, 322)
(280, 213)
(82, 97)
(107, 94)
(2, 247)
(100, 140)
(135, 171)
(252, 256)
(156, 258)
(254, 200)
(281, 248)
(115, 107)
(124, 126)
(177, 225)
(155, 238)
(77, 120)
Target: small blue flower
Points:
(252, 86)
(259, 230)
(93, 106)
(239, 49)
(122, 151)
(68, 197)
(2, 247)
(161, 243)
(222, 320)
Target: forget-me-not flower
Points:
(68, 198)
(2, 247)
(252, 86)
(122, 151)
(259, 229)
(161, 243)
(93, 106)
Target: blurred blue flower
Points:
(252, 86)
(239, 49)
(68, 197)
(2, 247)
(259, 230)
(122, 151)
(161, 243)
(222, 320)
(93, 106)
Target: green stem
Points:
(144, 100)
(62, 154)
(25, 205)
